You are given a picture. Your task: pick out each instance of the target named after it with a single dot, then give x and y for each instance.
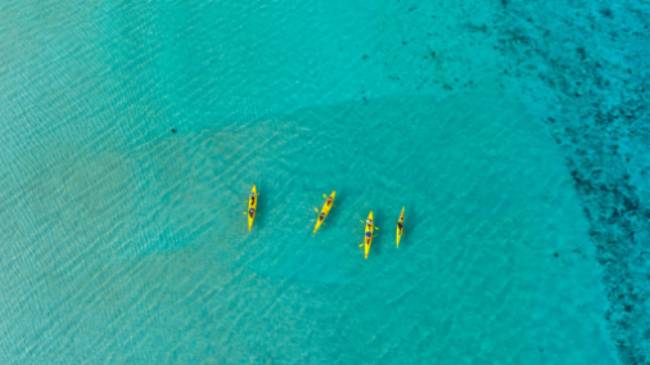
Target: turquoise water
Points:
(131, 134)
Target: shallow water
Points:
(125, 241)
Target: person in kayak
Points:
(329, 201)
(369, 223)
(251, 212)
(321, 216)
(252, 199)
(400, 225)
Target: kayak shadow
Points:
(260, 220)
(380, 239)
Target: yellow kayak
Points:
(325, 210)
(399, 231)
(367, 238)
(252, 207)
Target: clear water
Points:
(125, 243)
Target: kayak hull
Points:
(368, 234)
(325, 211)
(252, 204)
(399, 232)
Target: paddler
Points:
(369, 223)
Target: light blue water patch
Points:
(147, 256)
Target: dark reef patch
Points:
(606, 12)
(477, 28)
(599, 81)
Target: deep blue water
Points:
(515, 133)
